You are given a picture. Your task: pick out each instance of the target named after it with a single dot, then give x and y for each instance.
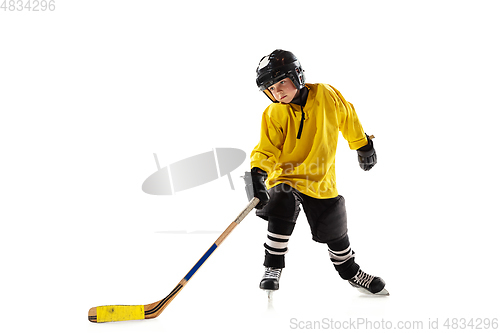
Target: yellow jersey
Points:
(307, 164)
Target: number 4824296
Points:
(28, 5)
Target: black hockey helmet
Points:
(275, 67)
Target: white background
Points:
(90, 91)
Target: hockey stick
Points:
(106, 313)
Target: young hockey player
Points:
(294, 164)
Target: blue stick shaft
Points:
(200, 262)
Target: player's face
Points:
(283, 91)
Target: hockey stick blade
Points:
(108, 313)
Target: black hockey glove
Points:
(256, 187)
(367, 157)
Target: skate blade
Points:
(362, 290)
(383, 292)
(270, 294)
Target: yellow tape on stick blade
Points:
(119, 313)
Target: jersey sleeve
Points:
(267, 152)
(349, 124)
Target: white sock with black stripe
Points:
(276, 244)
(340, 257)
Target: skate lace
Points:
(272, 273)
(363, 279)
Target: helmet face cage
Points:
(276, 67)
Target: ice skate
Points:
(271, 281)
(368, 284)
